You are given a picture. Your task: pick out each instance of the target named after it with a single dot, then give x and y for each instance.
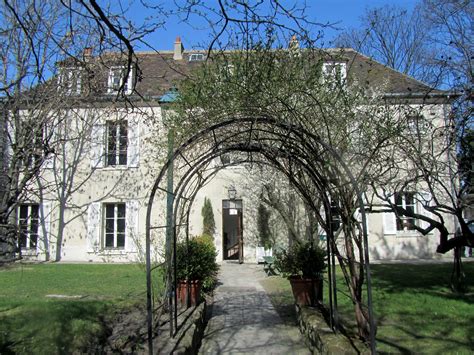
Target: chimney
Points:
(87, 52)
(294, 44)
(178, 49)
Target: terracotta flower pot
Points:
(194, 292)
(307, 292)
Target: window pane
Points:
(23, 236)
(111, 157)
(121, 226)
(123, 129)
(121, 210)
(34, 211)
(410, 223)
(109, 240)
(120, 240)
(399, 224)
(33, 240)
(123, 158)
(109, 226)
(23, 212)
(399, 199)
(109, 210)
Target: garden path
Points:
(243, 319)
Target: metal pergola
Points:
(311, 165)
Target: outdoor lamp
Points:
(232, 192)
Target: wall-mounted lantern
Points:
(232, 192)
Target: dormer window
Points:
(70, 80)
(334, 72)
(117, 79)
(196, 57)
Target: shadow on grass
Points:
(431, 279)
(54, 327)
(417, 312)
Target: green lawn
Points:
(32, 322)
(415, 310)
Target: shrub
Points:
(306, 260)
(208, 222)
(196, 260)
(263, 227)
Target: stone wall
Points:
(320, 338)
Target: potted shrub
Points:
(196, 268)
(303, 264)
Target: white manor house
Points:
(90, 201)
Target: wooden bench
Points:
(268, 266)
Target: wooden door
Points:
(232, 230)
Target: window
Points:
(28, 222)
(196, 57)
(33, 154)
(70, 80)
(407, 201)
(117, 79)
(114, 234)
(117, 137)
(334, 72)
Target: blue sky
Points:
(345, 13)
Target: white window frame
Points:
(330, 73)
(117, 126)
(70, 79)
(402, 220)
(196, 57)
(115, 232)
(29, 230)
(113, 86)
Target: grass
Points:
(415, 310)
(33, 322)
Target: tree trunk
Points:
(458, 278)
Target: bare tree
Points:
(395, 37)
(29, 100)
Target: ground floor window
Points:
(28, 222)
(114, 233)
(407, 201)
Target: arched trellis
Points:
(284, 146)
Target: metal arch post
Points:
(169, 225)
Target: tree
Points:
(29, 104)
(443, 48)
(208, 223)
(466, 161)
(395, 37)
(263, 227)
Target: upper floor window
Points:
(407, 201)
(114, 233)
(196, 57)
(117, 138)
(117, 79)
(70, 80)
(28, 223)
(334, 72)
